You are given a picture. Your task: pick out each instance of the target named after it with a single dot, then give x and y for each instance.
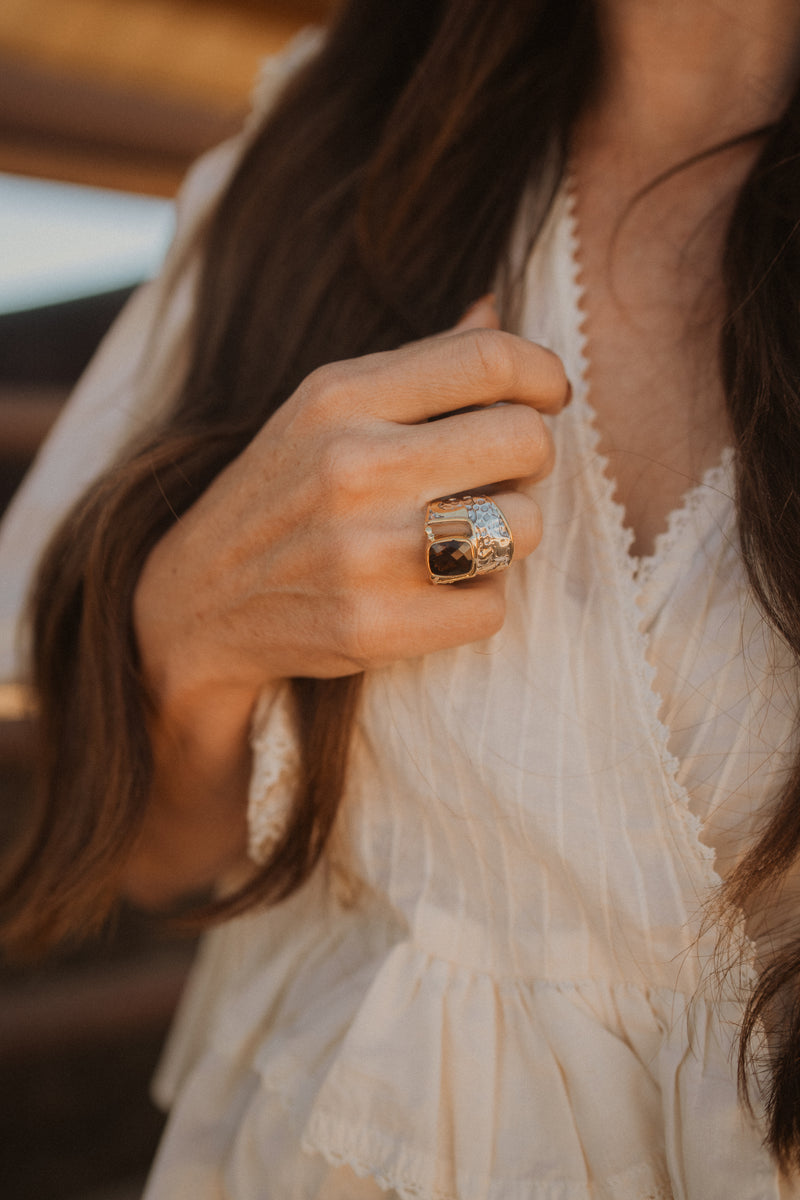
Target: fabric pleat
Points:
(521, 999)
(525, 1001)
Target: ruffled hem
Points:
(440, 1082)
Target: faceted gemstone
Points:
(451, 558)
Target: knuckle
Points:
(556, 374)
(541, 445)
(326, 390)
(492, 357)
(528, 433)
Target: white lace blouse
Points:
(523, 1002)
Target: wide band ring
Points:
(467, 536)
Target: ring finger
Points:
(452, 547)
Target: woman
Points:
(491, 968)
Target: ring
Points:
(467, 535)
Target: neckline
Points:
(716, 478)
(633, 573)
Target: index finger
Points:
(474, 367)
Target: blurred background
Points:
(103, 106)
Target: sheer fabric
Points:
(520, 998)
(525, 999)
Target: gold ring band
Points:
(467, 536)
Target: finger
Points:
(439, 375)
(470, 450)
(392, 551)
(454, 615)
(401, 614)
(523, 517)
(408, 560)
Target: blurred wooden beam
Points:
(83, 1006)
(127, 94)
(69, 163)
(27, 414)
(207, 50)
(89, 131)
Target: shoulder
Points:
(276, 71)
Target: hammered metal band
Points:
(467, 535)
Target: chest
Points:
(652, 306)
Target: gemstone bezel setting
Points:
(467, 536)
(443, 555)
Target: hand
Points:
(306, 554)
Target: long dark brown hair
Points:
(373, 207)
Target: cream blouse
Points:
(524, 999)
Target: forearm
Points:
(195, 824)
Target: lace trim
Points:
(395, 1166)
(642, 1182)
(386, 1182)
(276, 766)
(620, 538)
(716, 479)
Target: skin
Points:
(297, 562)
(681, 76)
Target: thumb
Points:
(482, 314)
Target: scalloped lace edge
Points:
(632, 1182)
(370, 1154)
(628, 567)
(714, 479)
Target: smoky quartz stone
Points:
(451, 559)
